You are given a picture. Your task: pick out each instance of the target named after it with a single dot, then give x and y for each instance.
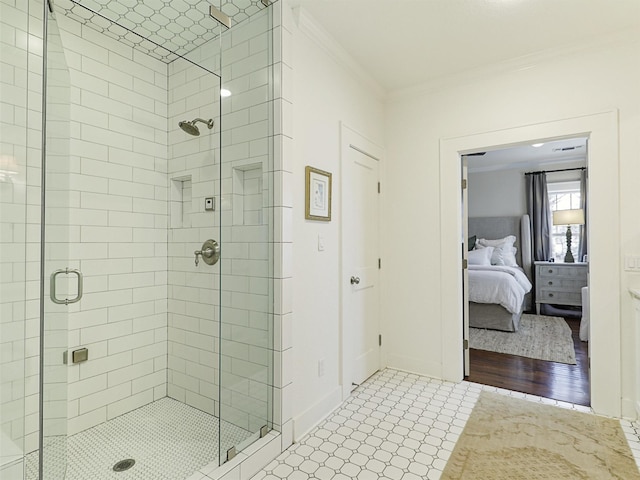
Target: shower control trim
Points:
(210, 252)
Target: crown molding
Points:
(309, 26)
(523, 62)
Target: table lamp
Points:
(568, 218)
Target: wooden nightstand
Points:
(560, 283)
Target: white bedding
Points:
(505, 286)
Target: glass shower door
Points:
(246, 280)
(14, 65)
(61, 281)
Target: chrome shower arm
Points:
(209, 122)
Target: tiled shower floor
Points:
(168, 440)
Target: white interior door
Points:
(360, 259)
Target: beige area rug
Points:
(509, 438)
(538, 336)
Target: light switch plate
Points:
(632, 263)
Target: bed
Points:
(499, 294)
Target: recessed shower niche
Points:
(247, 198)
(181, 202)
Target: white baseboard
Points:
(415, 365)
(628, 410)
(317, 412)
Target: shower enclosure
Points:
(136, 235)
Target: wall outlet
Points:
(321, 367)
(320, 243)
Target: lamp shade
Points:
(568, 217)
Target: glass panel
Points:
(14, 56)
(129, 211)
(195, 209)
(57, 232)
(246, 284)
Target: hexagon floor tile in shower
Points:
(167, 439)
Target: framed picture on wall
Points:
(318, 195)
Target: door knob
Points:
(355, 280)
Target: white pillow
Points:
(504, 256)
(509, 240)
(480, 257)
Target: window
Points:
(564, 196)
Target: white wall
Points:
(325, 94)
(502, 192)
(571, 85)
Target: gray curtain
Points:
(540, 215)
(582, 242)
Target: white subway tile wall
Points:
(14, 75)
(20, 113)
(118, 152)
(283, 25)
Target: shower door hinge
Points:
(379, 340)
(465, 344)
(263, 431)
(232, 452)
(379, 263)
(222, 18)
(378, 187)
(464, 184)
(465, 264)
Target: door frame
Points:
(604, 256)
(464, 197)
(350, 137)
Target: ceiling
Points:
(549, 155)
(403, 43)
(164, 29)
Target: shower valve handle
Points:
(207, 252)
(210, 252)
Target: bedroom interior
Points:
(526, 300)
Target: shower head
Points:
(190, 127)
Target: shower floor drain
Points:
(123, 465)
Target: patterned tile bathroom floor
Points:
(396, 426)
(168, 440)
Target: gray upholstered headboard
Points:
(498, 227)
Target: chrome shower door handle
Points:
(52, 289)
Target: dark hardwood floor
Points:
(569, 383)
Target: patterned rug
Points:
(509, 438)
(538, 336)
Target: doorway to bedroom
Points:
(526, 292)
